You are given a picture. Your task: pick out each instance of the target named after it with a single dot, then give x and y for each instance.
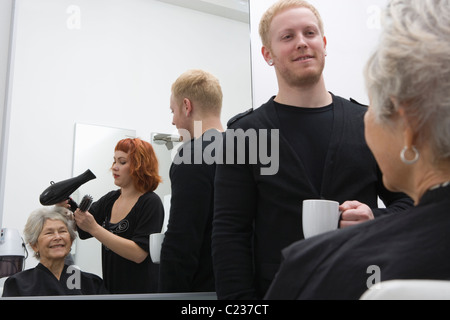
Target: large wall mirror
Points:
(99, 65)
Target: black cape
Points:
(39, 281)
(343, 264)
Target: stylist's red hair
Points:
(143, 163)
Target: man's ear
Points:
(187, 106)
(267, 55)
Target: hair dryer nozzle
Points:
(60, 191)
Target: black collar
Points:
(435, 194)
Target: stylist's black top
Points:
(146, 217)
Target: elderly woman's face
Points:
(386, 142)
(54, 241)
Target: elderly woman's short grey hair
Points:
(36, 221)
(412, 65)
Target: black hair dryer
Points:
(60, 191)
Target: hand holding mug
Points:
(354, 212)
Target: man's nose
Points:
(301, 42)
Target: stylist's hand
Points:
(64, 204)
(354, 212)
(85, 221)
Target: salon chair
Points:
(409, 290)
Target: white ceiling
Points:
(232, 9)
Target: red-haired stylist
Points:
(122, 220)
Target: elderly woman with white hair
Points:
(408, 130)
(50, 233)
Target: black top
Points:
(308, 131)
(257, 215)
(343, 264)
(39, 281)
(146, 217)
(186, 262)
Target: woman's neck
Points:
(430, 180)
(130, 193)
(55, 266)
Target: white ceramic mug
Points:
(320, 216)
(156, 240)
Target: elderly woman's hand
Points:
(354, 212)
(85, 221)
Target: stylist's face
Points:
(385, 140)
(121, 169)
(54, 241)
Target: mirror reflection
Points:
(99, 141)
(109, 63)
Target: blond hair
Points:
(279, 7)
(202, 88)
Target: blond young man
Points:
(322, 154)
(186, 263)
(196, 97)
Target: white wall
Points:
(5, 24)
(108, 63)
(352, 30)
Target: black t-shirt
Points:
(308, 131)
(146, 217)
